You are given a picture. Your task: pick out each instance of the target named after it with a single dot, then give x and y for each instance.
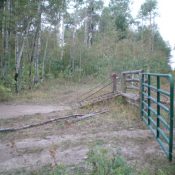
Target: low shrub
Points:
(105, 164)
(5, 93)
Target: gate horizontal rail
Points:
(159, 124)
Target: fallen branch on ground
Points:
(76, 117)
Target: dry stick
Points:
(38, 124)
(87, 116)
(76, 116)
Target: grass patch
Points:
(99, 162)
(102, 163)
(5, 93)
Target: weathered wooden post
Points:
(123, 82)
(114, 82)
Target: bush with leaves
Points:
(105, 164)
(5, 93)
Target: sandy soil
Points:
(13, 111)
(69, 149)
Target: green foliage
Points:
(159, 172)
(59, 170)
(120, 100)
(121, 13)
(106, 22)
(160, 44)
(5, 93)
(148, 7)
(100, 162)
(115, 45)
(105, 164)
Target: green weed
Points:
(103, 163)
(5, 93)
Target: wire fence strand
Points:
(97, 86)
(95, 92)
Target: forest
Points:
(73, 39)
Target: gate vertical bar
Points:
(141, 95)
(158, 106)
(171, 117)
(161, 119)
(149, 101)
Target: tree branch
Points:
(76, 117)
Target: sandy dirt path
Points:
(72, 149)
(14, 111)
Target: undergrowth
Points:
(101, 161)
(5, 93)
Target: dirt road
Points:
(14, 111)
(72, 149)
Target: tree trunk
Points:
(5, 38)
(37, 46)
(151, 33)
(86, 31)
(73, 48)
(19, 52)
(62, 29)
(88, 26)
(44, 58)
(60, 33)
(32, 59)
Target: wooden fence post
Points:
(114, 82)
(123, 82)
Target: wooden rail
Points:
(129, 82)
(126, 84)
(133, 72)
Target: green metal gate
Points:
(155, 111)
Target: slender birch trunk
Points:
(44, 58)
(60, 33)
(73, 48)
(5, 37)
(88, 25)
(62, 36)
(37, 46)
(86, 31)
(19, 49)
